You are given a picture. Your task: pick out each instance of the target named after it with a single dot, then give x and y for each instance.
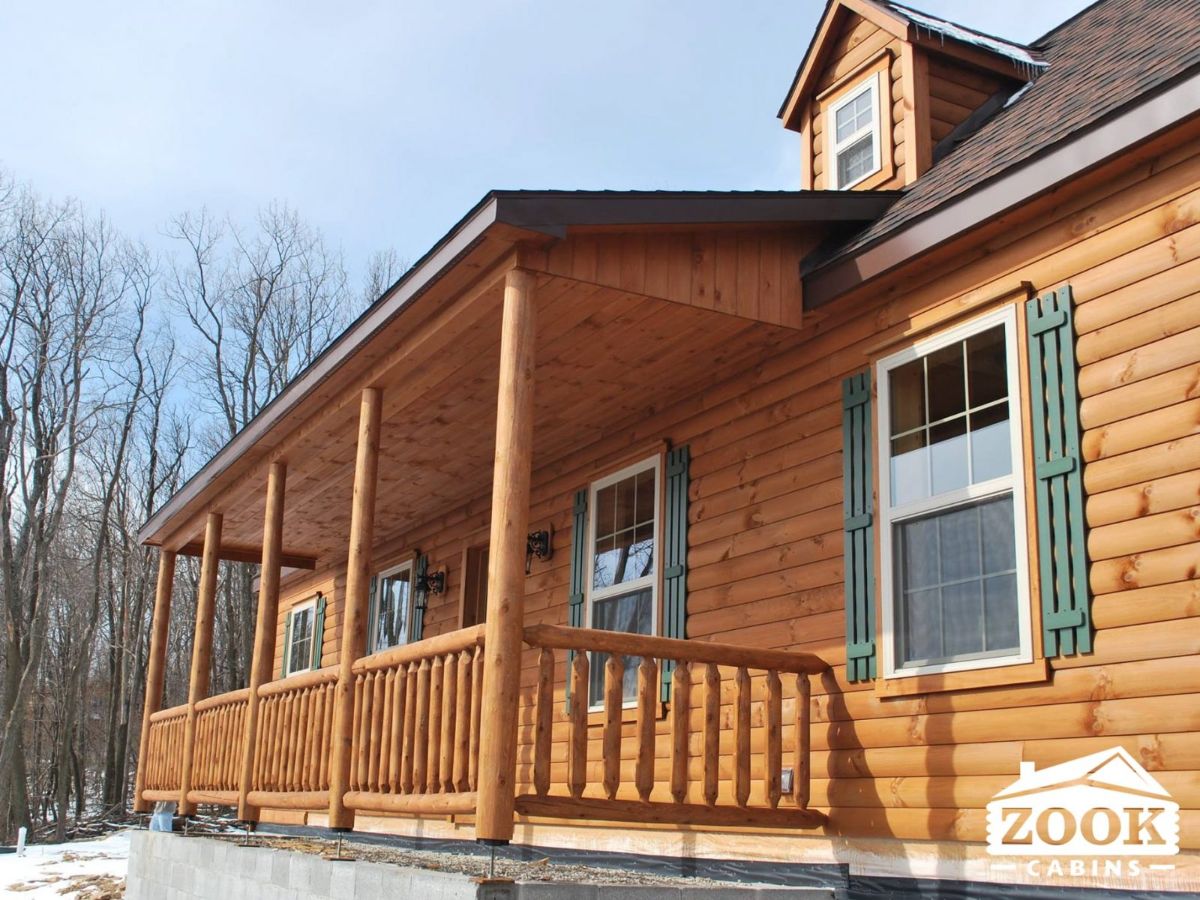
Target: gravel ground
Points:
(478, 866)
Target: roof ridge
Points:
(904, 7)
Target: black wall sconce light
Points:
(432, 582)
(539, 544)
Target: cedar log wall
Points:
(765, 538)
(860, 45)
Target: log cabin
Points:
(785, 527)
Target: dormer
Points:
(885, 91)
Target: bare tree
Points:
(60, 295)
(262, 304)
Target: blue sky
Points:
(383, 122)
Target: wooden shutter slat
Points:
(1058, 490)
(858, 527)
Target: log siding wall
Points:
(765, 565)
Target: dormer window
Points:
(854, 135)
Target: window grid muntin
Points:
(904, 610)
(1014, 483)
(934, 499)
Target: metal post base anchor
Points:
(338, 855)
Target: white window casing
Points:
(861, 115)
(959, 498)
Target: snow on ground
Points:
(78, 870)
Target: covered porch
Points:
(518, 343)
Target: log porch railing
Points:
(295, 724)
(714, 758)
(417, 712)
(164, 754)
(220, 732)
(699, 782)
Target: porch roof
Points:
(432, 341)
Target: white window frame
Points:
(870, 85)
(290, 631)
(625, 587)
(1016, 483)
(373, 625)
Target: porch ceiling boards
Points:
(606, 358)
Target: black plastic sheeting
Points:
(739, 871)
(733, 870)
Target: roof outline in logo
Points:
(1096, 770)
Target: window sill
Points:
(629, 714)
(967, 679)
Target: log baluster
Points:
(421, 729)
(647, 699)
(544, 712)
(433, 733)
(449, 708)
(577, 752)
(376, 730)
(802, 773)
(773, 756)
(396, 742)
(681, 700)
(408, 759)
(741, 737)
(614, 700)
(476, 715)
(385, 730)
(712, 732)
(462, 716)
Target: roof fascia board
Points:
(553, 212)
(410, 285)
(1020, 185)
(814, 56)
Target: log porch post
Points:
(156, 668)
(201, 652)
(358, 583)
(264, 629)
(506, 569)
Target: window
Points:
(853, 129)
(301, 624)
(622, 590)
(952, 496)
(391, 614)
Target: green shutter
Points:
(420, 597)
(287, 644)
(1062, 547)
(578, 572)
(858, 509)
(675, 556)
(318, 631)
(578, 560)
